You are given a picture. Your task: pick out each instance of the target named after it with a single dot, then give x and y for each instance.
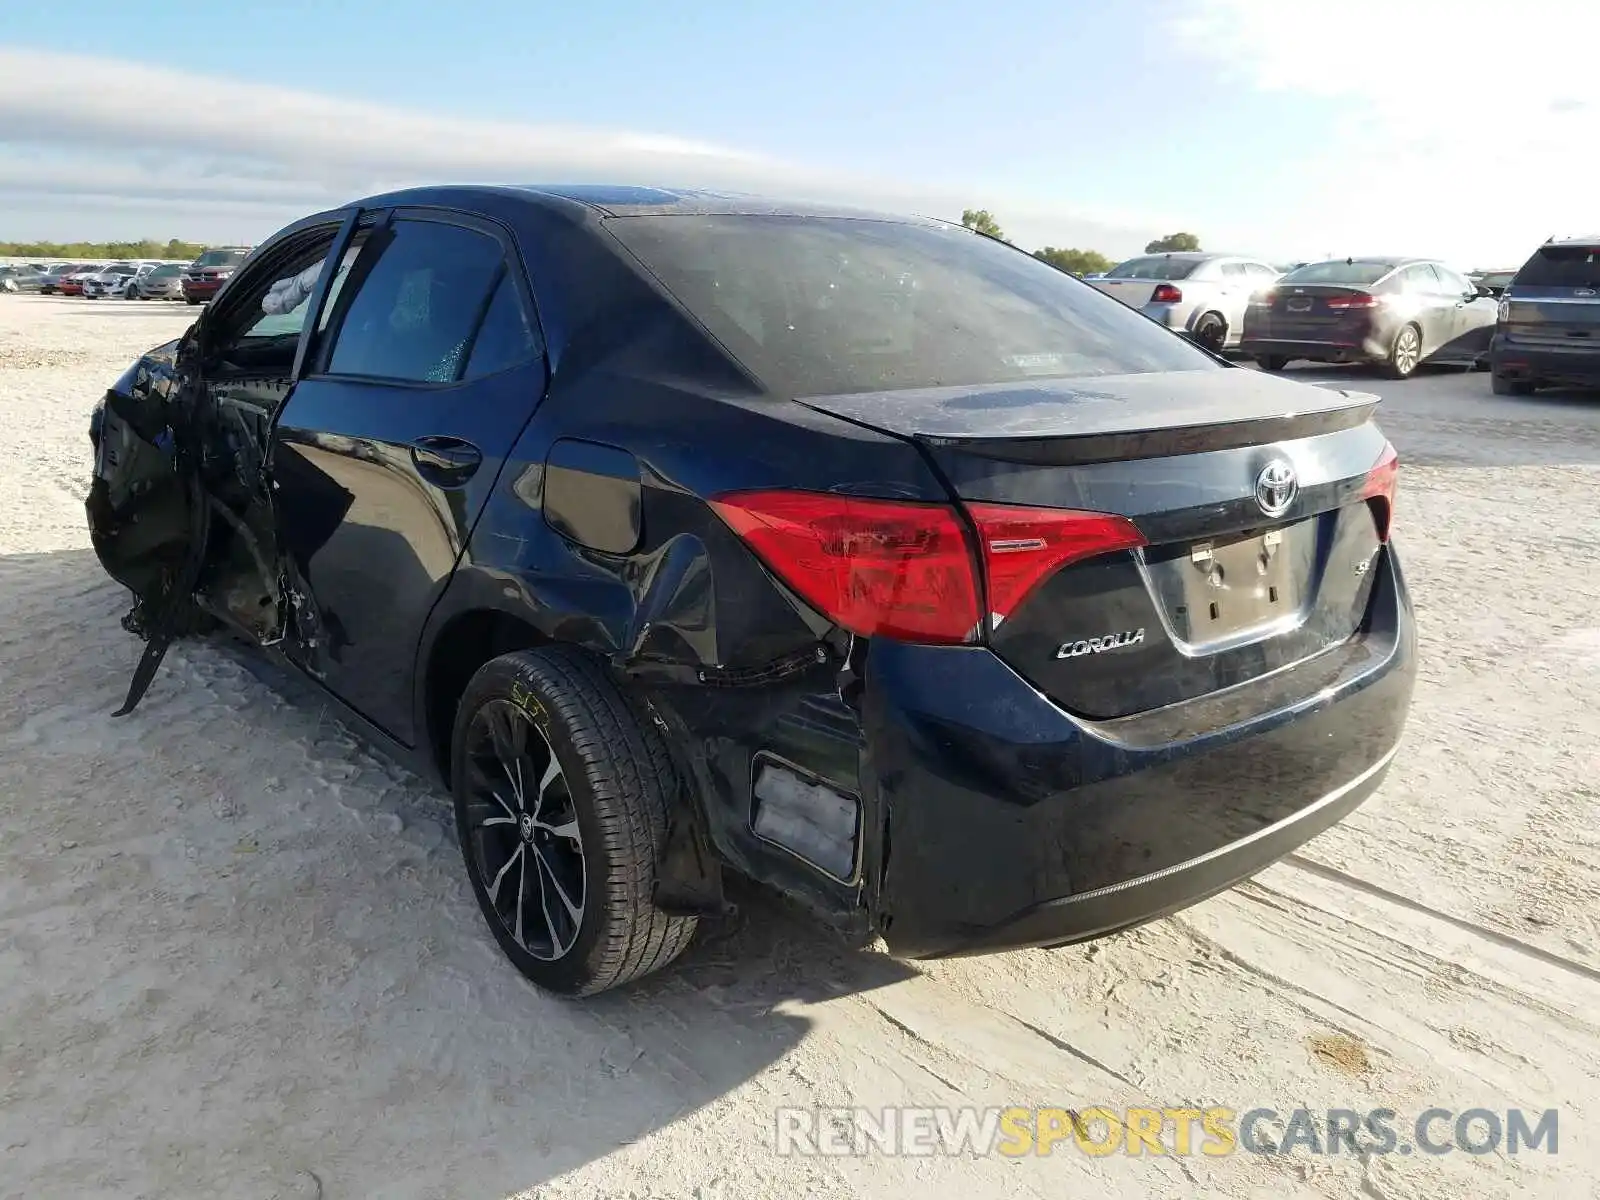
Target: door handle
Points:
(444, 460)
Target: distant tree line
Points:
(144, 248)
(1072, 261)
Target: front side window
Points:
(1451, 283)
(817, 306)
(418, 298)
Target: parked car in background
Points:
(1199, 294)
(164, 282)
(113, 282)
(1394, 313)
(210, 270)
(705, 547)
(1493, 282)
(71, 284)
(20, 279)
(50, 281)
(1548, 333)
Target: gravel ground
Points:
(238, 955)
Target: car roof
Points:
(1185, 255)
(1377, 260)
(623, 200)
(1591, 240)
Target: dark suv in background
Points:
(1548, 332)
(208, 272)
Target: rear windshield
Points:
(823, 306)
(1355, 274)
(1160, 266)
(220, 258)
(166, 272)
(1562, 267)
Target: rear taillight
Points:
(888, 568)
(1024, 546)
(1346, 302)
(1166, 293)
(903, 570)
(1263, 299)
(1379, 490)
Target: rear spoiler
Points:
(1086, 449)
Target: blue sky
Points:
(1077, 123)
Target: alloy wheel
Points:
(1407, 349)
(524, 838)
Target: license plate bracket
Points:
(1227, 589)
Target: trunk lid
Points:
(1229, 586)
(1135, 293)
(1311, 311)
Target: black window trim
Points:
(511, 264)
(287, 245)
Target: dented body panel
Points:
(381, 538)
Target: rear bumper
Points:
(1293, 348)
(1011, 823)
(200, 291)
(1518, 361)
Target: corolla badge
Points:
(1276, 488)
(1099, 645)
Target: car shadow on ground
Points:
(238, 952)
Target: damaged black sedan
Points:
(864, 556)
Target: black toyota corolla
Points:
(865, 556)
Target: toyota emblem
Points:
(1276, 488)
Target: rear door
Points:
(391, 442)
(1554, 301)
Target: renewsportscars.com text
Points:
(1214, 1132)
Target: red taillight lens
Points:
(1166, 293)
(875, 567)
(1340, 303)
(1023, 546)
(1379, 489)
(1264, 299)
(903, 570)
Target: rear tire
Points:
(1211, 331)
(549, 763)
(1272, 362)
(1405, 353)
(1502, 386)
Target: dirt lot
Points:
(238, 955)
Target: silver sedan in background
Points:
(163, 283)
(1194, 292)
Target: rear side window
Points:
(1562, 267)
(1160, 266)
(822, 306)
(418, 298)
(504, 339)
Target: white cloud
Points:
(1463, 127)
(216, 150)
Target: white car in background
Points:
(112, 283)
(1193, 292)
